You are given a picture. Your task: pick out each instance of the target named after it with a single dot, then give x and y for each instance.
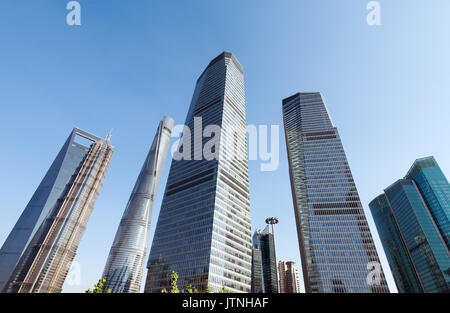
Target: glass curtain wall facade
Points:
(257, 270)
(435, 190)
(43, 200)
(420, 224)
(265, 278)
(203, 231)
(336, 247)
(269, 262)
(126, 260)
(51, 227)
(397, 254)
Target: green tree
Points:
(174, 288)
(98, 288)
(190, 289)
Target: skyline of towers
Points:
(412, 217)
(204, 230)
(288, 277)
(336, 246)
(204, 227)
(264, 278)
(125, 264)
(39, 250)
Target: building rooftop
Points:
(419, 164)
(221, 56)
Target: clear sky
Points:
(131, 62)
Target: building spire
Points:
(108, 137)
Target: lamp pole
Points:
(272, 221)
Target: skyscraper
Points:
(336, 247)
(397, 254)
(37, 254)
(435, 191)
(264, 263)
(125, 264)
(203, 231)
(288, 277)
(257, 285)
(412, 216)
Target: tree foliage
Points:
(98, 288)
(189, 288)
(173, 284)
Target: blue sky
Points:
(131, 62)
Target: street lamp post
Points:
(272, 221)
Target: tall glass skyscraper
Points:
(203, 231)
(264, 263)
(126, 260)
(39, 250)
(257, 269)
(397, 254)
(435, 190)
(337, 250)
(412, 216)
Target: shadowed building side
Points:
(257, 270)
(265, 278)
(126, 260)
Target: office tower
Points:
(288, 277)
(336, 247)
(401, 265)
(257, 285)
(38, 252)
(264, 247)
(411, 216)
(203, 231)
(125, 264)
(435, 191)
